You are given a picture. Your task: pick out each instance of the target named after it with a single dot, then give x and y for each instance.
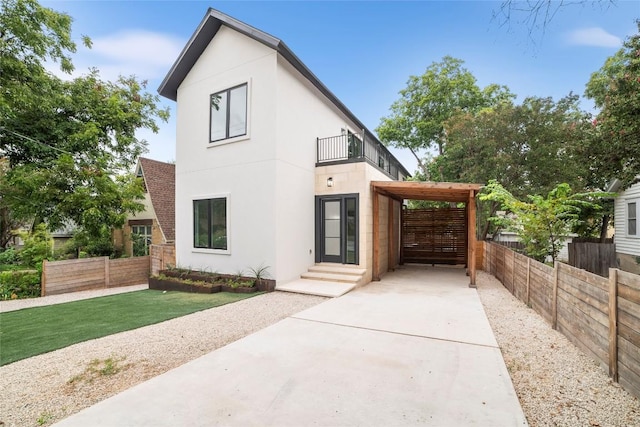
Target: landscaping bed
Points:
(205, 282)
(171, 284)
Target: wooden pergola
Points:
(433, 191)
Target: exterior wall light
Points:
(330, 182)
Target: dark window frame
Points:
(228, 112)
(210, 245)
(632, 221)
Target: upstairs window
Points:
(631, 219)
(228, 113)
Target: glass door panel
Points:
(332, 230)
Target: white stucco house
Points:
(271, 168)
(627, 227)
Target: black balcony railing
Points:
(352, 147)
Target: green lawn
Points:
(32, 331)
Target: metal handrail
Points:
(352, 147)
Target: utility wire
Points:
(28, 138)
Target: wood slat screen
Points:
(434, 236)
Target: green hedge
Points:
(19, 284)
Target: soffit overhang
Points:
(434, 191)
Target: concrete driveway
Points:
(413, 349)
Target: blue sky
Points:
(363, 51)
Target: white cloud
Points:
(594, 36)
(139, 47)
(147, 55)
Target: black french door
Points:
(337, 229)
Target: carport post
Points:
(471, 230)
(376, 237)
(390, 253)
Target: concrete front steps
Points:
(336, 273)
(327, 280)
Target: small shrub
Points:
(238, 283)
(260, 273)
(19, 284)
(9, 256)
(37, 246)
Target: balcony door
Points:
(337, 229)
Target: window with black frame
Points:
(210, 223)
(228, 113)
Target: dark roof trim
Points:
(205, 32)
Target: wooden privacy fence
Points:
(59, 277)
(594, 257)
(162, 257)
(599, 315)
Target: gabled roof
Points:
(207, 30)
(159, 179)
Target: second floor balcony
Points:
(352, 147)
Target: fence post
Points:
(487, 256)
(613, 324)
(106, 272)
(43, 278)
(554, 308)
(528, 279)
(513, 274)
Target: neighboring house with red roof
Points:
(156, 223)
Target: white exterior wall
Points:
(270, 175)
(244, 170)
(626, 244)
(303, 115)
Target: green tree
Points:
(8, 223)
(614, 149)
(542, 223)
(530, 148)
(68, 142)
(417, 119)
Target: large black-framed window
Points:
(228, 117)
(210, 228)
(632, 219)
